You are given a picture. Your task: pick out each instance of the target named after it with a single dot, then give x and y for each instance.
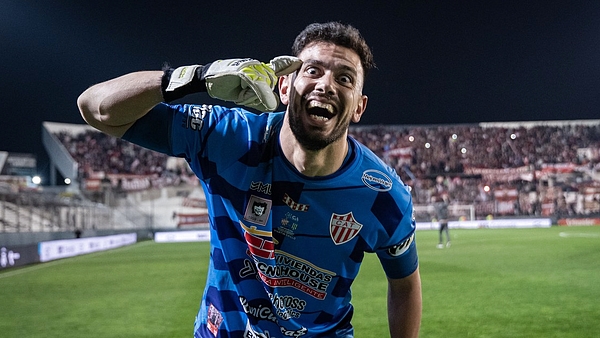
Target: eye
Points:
(346, 80)
(311, 70)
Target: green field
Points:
(490, 283)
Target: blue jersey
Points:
(285, 248)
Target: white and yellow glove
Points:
(246, 82)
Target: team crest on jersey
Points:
(343, 228)
(258, 210)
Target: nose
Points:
(325, 84)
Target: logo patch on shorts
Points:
(343, 228)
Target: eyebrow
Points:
(323, 64)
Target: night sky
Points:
(438, 62)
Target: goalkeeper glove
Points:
(246, 82)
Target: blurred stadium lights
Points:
(36, 180)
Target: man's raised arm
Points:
(114, 105)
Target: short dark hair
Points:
(339, 34)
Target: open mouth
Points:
(320, 110)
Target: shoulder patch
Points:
(376, 180)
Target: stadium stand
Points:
(504, 169)
(520, 169)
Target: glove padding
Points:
(248, 82)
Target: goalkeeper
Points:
(294, 201)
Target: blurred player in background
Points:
(294, 202)
(440, 205)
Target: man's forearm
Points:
(405, 306)
(113, 106)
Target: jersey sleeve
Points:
(153, 130)
(399, 256)
(209, 137)
(400, 260)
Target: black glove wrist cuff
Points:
(197, 84)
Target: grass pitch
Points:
(490, 283)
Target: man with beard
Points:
(324, 199)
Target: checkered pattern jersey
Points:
(285, 247)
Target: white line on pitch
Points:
(578, 234)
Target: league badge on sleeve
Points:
(343, 228)
(401, 248)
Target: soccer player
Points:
(441, 211)
(294, 202)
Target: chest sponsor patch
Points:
(343, 228)
(258, 210)
(260, 243)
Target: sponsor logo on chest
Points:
(258, 210)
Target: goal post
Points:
(425, 212)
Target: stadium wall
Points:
(19, 255)
(490, 224)
(28, 238)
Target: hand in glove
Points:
(246, 82)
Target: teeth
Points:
(317, 117)
(322, 105)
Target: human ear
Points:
(284, 89)
(360, 108)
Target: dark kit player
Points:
(294, 202)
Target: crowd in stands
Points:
(100, 157)
(449, 149)
(503, 169)
(98, 152)
(530, 168)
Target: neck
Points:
(313, 163)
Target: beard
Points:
(312, 138)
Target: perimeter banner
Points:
(52, 250)
(18, 255)
(579, 221)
